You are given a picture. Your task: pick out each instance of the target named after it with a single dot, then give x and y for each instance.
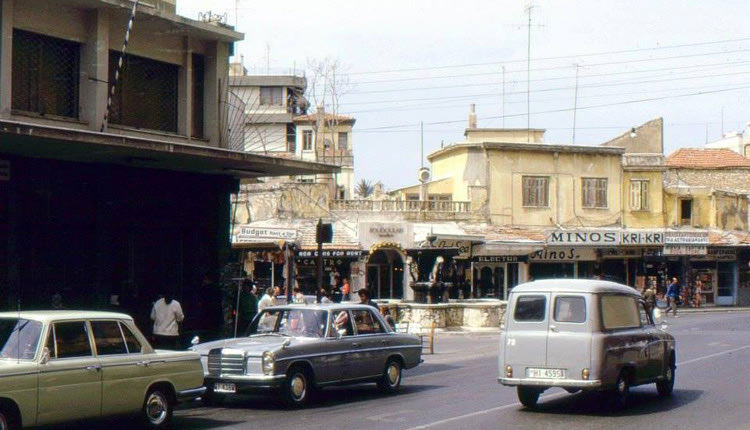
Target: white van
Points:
(582, 335)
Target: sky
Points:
(416, 61)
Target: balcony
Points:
(404, 206)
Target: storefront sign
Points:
(563, 254)
(464, 246)
(254, 234)
(333, 253)
(606, 238)
(719, 254)
(501, 259)
(371, 233)
(686, 238)
(685, 250)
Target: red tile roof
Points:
(706, 159)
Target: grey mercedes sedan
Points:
(296, 348)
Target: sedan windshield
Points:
(19, 338)
(290, 322)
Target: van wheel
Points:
(621, 391)
(157, 409)
(528, 396)
(666, 385)
(390, 381)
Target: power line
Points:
(568, 109)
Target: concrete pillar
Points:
(95, 69)
(185, 92)
(217, 72)
(6, 55)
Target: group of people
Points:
(676, 295)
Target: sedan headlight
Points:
(267, 363)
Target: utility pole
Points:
(528, 76)
(575, 106)
(502, 113)
(421, 144)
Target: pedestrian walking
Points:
(267, 299)
(167, 315)
(364, 298)
(649, 296)
(673, 291)
(697, 293)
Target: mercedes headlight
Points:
(267, 363)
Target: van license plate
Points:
(532, 372)
(222, 387)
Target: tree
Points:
(364, 188)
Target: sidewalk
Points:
(711, 308)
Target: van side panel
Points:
(569, 339)
(525, 342)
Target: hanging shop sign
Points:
(255, 234)
(563, 254)
(686, 238)
(333, 253)
(463, 246)
(501, 259)
(685, 250)
(606, 237)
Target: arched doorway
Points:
(385, 272)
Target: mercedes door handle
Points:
(142, 363)
(553, 327)
(93, 368)
(356, 345)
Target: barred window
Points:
(639, 194)
(271, 96)
(307, 140)
(45, 74)
(594, 192)
(146, 93)
(344, 141)
(536, 191)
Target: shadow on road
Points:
(129, 422)
(641, 402)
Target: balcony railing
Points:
(401, 206)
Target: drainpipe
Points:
(557, 188)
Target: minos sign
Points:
(605, 238)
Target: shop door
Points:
(725, 284)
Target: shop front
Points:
(385, 266)
(337, 265)
(498, 266)
(260, 250)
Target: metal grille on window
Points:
(146, 95)
(45, 74)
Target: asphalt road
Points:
(456, 389)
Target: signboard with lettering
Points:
(686, 238)
(333, 253)
(371, 233)
(685, 250)
(464, 246)
(718, 254)
(258, 234)
(606, 237)
(501, 259)
(563, 254)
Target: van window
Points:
(530, 308)
(570, 309)
(619, 312)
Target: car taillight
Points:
(508, 371)
(585, 374)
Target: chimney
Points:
(472, 116)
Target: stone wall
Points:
(459, 315)
(725, 179)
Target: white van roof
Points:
(574, 286)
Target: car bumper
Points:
(563, 383)
(247, 383)
(191, 394)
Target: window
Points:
(366, 323)
(639, 194)
(536, 191)
(291, 138)
(412, 197)
(71, 339)
(686, 211)
(343, 141)
(619, 312)
(594, 192)
(307, 140)
(530, 308)
(199, 73)
(570, 309)
(645, 316)
(45, 73)
(134, 346)
(108, 338)
(145, 94)
(19, 338)
(271, 96)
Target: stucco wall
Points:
(266, 201)
(456, 315)
(731, 212)
(654, 216)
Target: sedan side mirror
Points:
(195, 340)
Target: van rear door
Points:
(569, 340)
(526, 335)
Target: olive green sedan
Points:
(58, 366)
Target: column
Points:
(6, 55)
(95, 84)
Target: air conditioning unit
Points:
(424, 174)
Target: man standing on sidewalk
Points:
(673, 290)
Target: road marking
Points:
(550, 396)
(477, 413)
(392, 417)
(729, 351)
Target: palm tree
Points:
(364, 188)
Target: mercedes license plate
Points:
(532, 372)
(223, 387)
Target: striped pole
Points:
(119, 66)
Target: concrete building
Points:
(115, 211)
(738, 142)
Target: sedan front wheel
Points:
(297, 387)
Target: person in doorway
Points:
(697, 293)
(673, 291)
(166, 315)
(248, 304)
(649, 296)
(346, 290)
(267, 299)
(298, 296)
(364, 298)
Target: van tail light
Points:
(585, 374)
(508, 371)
